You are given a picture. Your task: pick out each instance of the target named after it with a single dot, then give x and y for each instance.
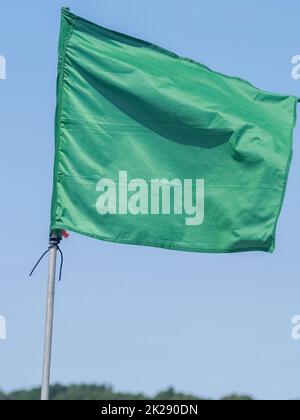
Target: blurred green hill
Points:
(103, 392)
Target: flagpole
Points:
(53, 246)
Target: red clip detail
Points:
(65, 234)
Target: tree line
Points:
(103, 392)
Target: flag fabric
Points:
(159, 150)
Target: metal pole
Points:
(53, 244)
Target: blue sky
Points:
(140, 318)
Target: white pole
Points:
(53, 244)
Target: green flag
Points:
(154, 149)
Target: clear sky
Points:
(140, 318)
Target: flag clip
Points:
(53, 243)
